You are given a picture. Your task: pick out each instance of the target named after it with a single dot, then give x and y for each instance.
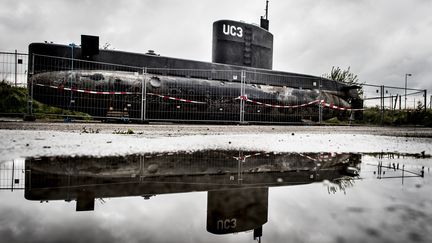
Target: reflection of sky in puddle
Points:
(234, 191)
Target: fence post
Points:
(320, 108)
(71, 80)
(242, 95)
(400, 103)
(430, 103)
(382, 103)
(425, 100)
(29, 116)
(395, 102)
(143, 95)
(16, 67)
(391, 102)
(13, 175)
(30, 89)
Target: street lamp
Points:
(406, 80)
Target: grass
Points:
(417, 117)
(13, 100)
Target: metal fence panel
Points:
(109, 91)
(188, 96)
(298, 100)
(393, 98)
(98, 89)
(13, 68)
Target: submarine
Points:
(238, 85)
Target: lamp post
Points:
(406, 81)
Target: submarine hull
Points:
(102, 93)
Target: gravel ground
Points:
(22, 139)
(172, 129)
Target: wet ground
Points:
(172, 129)
(197, 183)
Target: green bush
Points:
(14, 100)
(417, 117)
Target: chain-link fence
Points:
(395, 105)
(97, 89)
(75, 88)
(394, 98)
(13, 68)
(109, 91)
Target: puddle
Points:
(213, 196)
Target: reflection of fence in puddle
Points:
(396, 171)
(237, 182)
(381, 172)
(12, 175)
(205, 168)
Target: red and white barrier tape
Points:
(323, 157)
(331, 106)
(244, 157)
(88, 91)
(177, 99)
(308, 157)
(245, 98)
(242, 97)
(119, 93)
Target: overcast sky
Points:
(380, 40)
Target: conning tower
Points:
(242, 44)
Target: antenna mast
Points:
(266, 15)
(264, 19)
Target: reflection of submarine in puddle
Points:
(237, 210)
(237, 182)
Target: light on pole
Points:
(406, 81)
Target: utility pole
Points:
(406, 81)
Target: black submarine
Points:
(238, 85)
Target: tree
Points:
(420, 106)
(345, 76)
